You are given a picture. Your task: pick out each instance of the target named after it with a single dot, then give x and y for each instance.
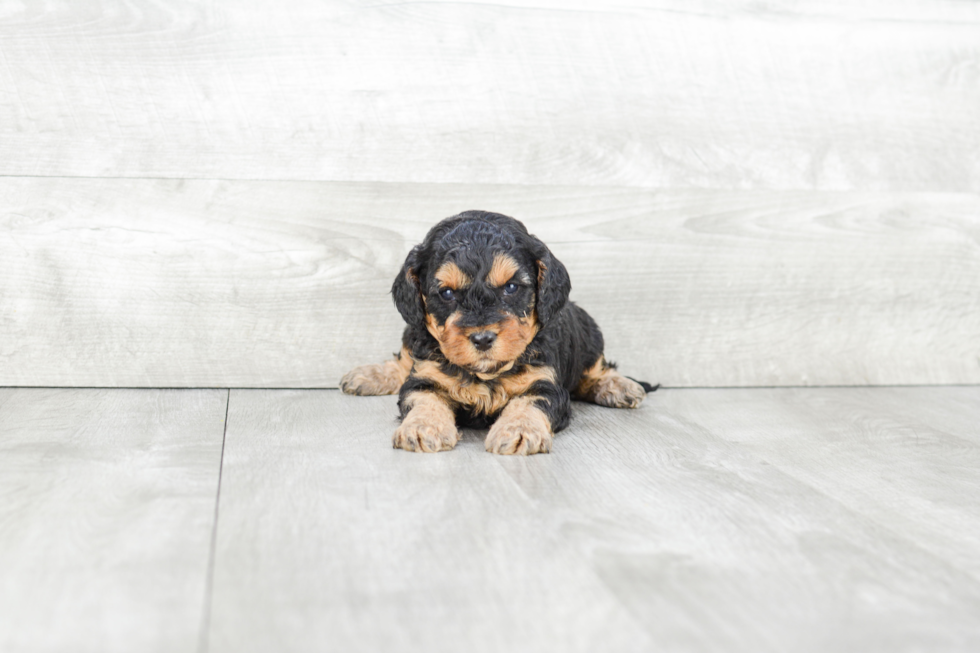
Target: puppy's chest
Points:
(490, 397)
(481, 398)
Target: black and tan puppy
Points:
(492, 340)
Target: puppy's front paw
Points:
(616, 391)
(430, 426)
(522, 429)
(429, 438)
(378, 379)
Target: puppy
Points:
(492, 340)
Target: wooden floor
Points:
(817, 519)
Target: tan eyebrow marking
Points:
(451, 276)
(502, 270)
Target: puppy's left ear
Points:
(553, 283)
(406, 291)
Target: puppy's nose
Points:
(483, 340)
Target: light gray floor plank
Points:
(715, 546)
(907, 459)
(704, 521)
(286, 284)
(331, 540)
(107, 502)
(804, 94)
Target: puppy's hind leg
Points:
(380, 378)
(602, 384)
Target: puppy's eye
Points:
(510, 288)
(447, 294)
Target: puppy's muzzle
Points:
(483, 340)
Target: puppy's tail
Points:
(646, 386)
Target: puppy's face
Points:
(482, 287)
(479, 306)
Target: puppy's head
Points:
(483, 287)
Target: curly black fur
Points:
(568, 340)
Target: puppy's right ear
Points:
(406, 290)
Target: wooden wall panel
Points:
(816, 94)
(115, 282)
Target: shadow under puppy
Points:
(492, 340)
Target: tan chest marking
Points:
(484, 398)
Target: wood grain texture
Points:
(819, 94)
(915, 446)
(706, 520)
(285, 284)
(329, 539)
(738, 520)
(107, 502)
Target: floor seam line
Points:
(209, 578)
